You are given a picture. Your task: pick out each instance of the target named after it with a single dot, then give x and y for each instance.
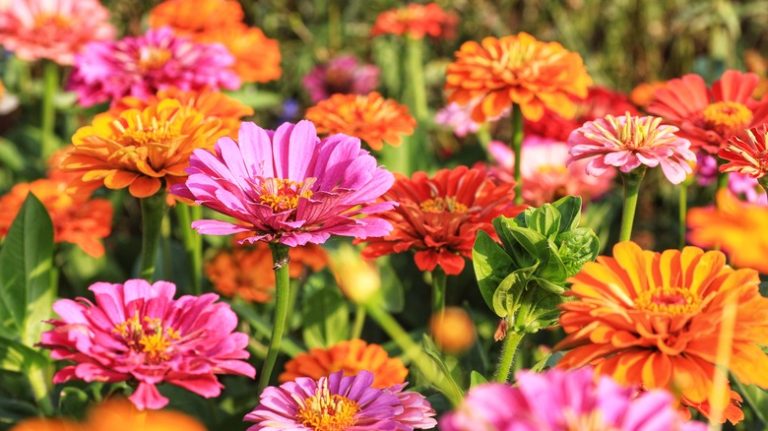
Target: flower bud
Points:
(453, 330)
(357, 278)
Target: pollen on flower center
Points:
(443, 204)
(669, 300)
(45, 20)
(148, 336)
(727, 116)
(151, 58)
(326, 412)
(283, 195)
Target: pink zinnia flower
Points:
(52, 29)
(565, 400)
(630, 141)
(340, 402)
(288, 186)
(547, 176)
(140, 66)
(344, 75)
(748, 188)
(458, 118)
(137, 332)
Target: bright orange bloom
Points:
(642, 95)
(141, 149)
(747, 153)
(247, 271)
(739, 228)
(372, 118)
(496, 73)
(437, 218)
(257, 57)
(351, 357)
(653, 319)
(452, 330)
(38, 424)
(76, 218)
(191, 18)
(416, 21)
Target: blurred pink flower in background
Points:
(748, 188)
(458, 118)
(343, 74)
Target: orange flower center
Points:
(148, 336)
(552, 169)
(447, 204)
(151, 58)
(326, 412)
(675, 300)
(44, 20)
(727, 117)
(283, 195)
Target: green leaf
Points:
(259, 99)
(392, 293)
(577, 247)
(544, 220)
(491, 264)
(17, 357)
(506, 297)
(520, 256)
(570, 212)
(326, 317)
(533, 242)
(475, 378)
(552, 267)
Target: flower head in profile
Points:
(344, 75)
(372, 118)
(77, 218)
(288, 186)
(497, 73)
(351, 357)
(437, 218)
(747, 153)
(559, 400)
(458, 118)
(630, 141)
(140, 66)
(654, 319)
(137, 331)
(342, 403)
(54, 29)
(709, 117)
(417, 21)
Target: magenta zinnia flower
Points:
(344, 75)
(565, 400)
(630, 141)
(340, 403)
(137, 332)
(140, 66)
(288, 186)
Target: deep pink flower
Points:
(288, 186)
(629, 141)
(137, 332)
(458, 118)
(338, 402)
(343, 75)
(140, 66)
(560, 400)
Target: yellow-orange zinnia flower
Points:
(518, 69)
(654, 319)
(190, 18)
(372, 118)
(351, 357)
(40, 424)
(141, 149)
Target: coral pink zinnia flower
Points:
(53, 29)
(140, 66)
(288, 186)
(339, 402)
(138, 332)
(630, 141)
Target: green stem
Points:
(439, 281)
(414, 53)
(282, 306)
(632, 182)
(682, 212)
(722, 180)
(517, 149)
(191, 239)
(511, 342)
(152, 213)
(484, 138)
(48, 115)
(357, 326)
(38, 381)
(751, 402)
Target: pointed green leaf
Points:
(475, 378)
(544, 220)
(491, 264)
(570, 212)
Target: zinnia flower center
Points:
(47, 20)
(151, 58)
(592, 421)
(326, 412)
(552, 169)
(727, 117)
(283, 195)
(447, 204)
(148, 336)
(675, 300)
(636, 132)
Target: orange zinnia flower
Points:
(642, 95)
(76, 218)
(496, 73)
(372, 118)
(438, 218)
(247, 271)
(351, 357)
(191, 18)
(747, 153)
(738, 228)
(141, 149)
(416, 21)
(39, 424)
(653, 319)
(122, 415)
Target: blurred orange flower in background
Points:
(496, 73)
(192, 18)
(372, 118)
(416, 21)
(452, 330)
(642, 95)
(39, 424)
(351, 357)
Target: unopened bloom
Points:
(357, 277)
(137, 331)
(747, 153)
(372, 118)
(453, 330)
(497, 73)
(288, 186)
(340, 402)
(629, 141)
(343, 74)
(416, 21)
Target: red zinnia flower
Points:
(747, 153)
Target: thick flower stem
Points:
(511, 342)
(357, 326)
(193, 246)
(38, 381)
(282, 306)
(152, 213)
(517, 149)
(48, 114)
(439, 281)
(682, 212)
(414, 52)
(632, 182)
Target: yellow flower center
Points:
(283, 195)
(326, 412)
(148, 336)
(440, 205)
(727, 117)
(592, 421)
(552, 169)
(44, 20)
(675, 300)
(151, 58)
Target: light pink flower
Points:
(748, 188)
(137, 332)
(630, 141)
(458, 118)
(140, 66)
(344, 75)
(52, 29)
(288, 186)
